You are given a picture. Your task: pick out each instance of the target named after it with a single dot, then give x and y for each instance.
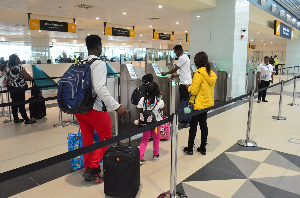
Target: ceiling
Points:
(173, 16)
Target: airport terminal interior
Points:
(253, 147)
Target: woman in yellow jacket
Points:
(202, 96)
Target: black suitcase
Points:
(37, 109)
(121, 165)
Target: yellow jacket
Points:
(202, 89)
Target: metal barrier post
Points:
(73, 122)
(2, 100)
(174, 145)
(279, 117)
(61, 123)
(280, 74)
(287, 73)
(8, 110)
(248, 142)
(294, 92)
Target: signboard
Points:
(119, 32)
(283, 30)
(188, 39)
(36, 24)
(252, 46)
(162, 36)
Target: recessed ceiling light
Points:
(164, 33)
(64, 37)
(2, 39)
(271, 42)
(279, 44)
(97, 18)
(185, 31)
(160, 6)
(264, 44)
(53, 40)
(153, 39)
(198, 16)
(141, 35)
(40, 31)
(177, 23)
(257, 32)
(28, 33)
(128, 28)
(150, 25)
(150, 42)
(124, 13)
(180, 43)
(74, 41)
(262, 40)
(123, 43)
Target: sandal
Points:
(30, 122)
(18, 120)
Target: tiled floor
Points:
(228, 170)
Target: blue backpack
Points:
(74, 94)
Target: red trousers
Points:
(88, 122)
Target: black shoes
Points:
(91, 174)
(188, 150)
(265, 101)
(202, 151)
(258, 101)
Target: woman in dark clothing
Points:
(17, 77)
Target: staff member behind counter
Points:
(185, 75)
(265, 76)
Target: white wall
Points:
(293, 53)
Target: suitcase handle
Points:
(117, 125)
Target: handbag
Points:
(184, 104)
(75, 142)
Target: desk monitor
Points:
(131, 71)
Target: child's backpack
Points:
(137, 94)
(74, 94)
(147, 116)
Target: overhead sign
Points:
(119, 32)
(252, 46)
(283, 30)
(36, 24)
(162, 36)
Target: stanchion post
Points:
(61, 123)
(294, 92)
(2, 101)
(174, 145)
(279, 117)
(247, 142)
(287, 73)
(8, 110)
(280, 74)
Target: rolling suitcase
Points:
(37, 109)
(165, 131)
(121, 168)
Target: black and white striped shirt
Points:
(15, 79)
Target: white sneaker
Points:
(156, 157)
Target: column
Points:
(217, 31)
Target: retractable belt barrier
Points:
(71, 154)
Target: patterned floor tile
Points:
(237, 147)
(221, 168)
(267, 170)
(290, 183)
(248, 190)
(292, 158)
(278, 160)
(245, 165)
(259, 156)
(219, 188)
(192, 192)
(271, 192)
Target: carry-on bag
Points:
(165, 131)
(37, 109)
(75, 142)
(121, 165)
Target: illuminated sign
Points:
(119, 32)
(36, 24)
(283, 30)
(163, 36)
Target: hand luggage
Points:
(37, 109)
(75, 142)
(165, 131)
(121, 165)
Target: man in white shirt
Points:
(98, 118)
(185, 75)
(265, 76)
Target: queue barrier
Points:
(5, 176)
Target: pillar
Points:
(217, 31)
(292, 54)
